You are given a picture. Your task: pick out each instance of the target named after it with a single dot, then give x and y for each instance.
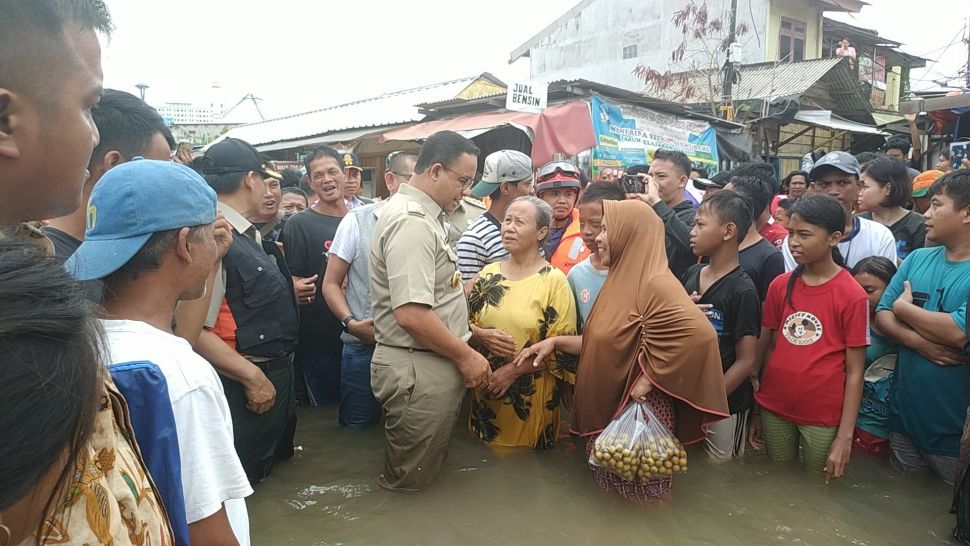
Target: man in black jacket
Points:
(664, 187)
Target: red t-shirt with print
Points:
(774, 232)
(804, 380)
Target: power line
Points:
(957, 38)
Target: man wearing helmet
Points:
(558, 184)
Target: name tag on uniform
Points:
(456, 280)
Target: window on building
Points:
(630, 52)
(791, 40)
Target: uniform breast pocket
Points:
(261, 285)
(450, 271)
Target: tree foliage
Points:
(702, 51)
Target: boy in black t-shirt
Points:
(760, 259)
(729, 298)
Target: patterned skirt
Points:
(653, 490)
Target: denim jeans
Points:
(358, 406)
(322, 374)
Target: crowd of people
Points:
(163, 316)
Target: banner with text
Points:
(628, 135)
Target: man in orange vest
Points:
(558, 183)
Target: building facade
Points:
(605, 40)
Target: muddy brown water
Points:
(328, 495)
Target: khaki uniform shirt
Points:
(468, 209)
(412, 262)
(247, 229)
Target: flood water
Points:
(328, 494)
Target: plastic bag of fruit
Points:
(637, 447)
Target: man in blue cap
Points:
(150, 239)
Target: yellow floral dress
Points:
(531, 309)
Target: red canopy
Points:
(562, 128)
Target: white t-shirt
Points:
(346, 241)
(211, 471)
(868, 239)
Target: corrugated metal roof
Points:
(818, 83)
(758, 81)
(387, 109)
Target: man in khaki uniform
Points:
(422, 363)
(459, 219)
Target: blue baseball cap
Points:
(130, 203)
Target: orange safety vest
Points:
(571, 249)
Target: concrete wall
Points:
(590, 44)
(199, 134)
(799, 10)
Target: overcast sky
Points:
(298, 55)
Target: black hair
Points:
(754, 190)
(879, 267)
(900, 143)
(638, 169)
(127, 124)
(601, 191)
(721, 179)
(822, 211)
(32, 33)
(222, 183)
(945, 152)
(295, 191)
(786, 204)
(321, 151)
(701, 171)
(786, 183)
(150, 256)
(761, 171)
(444, 147)
(291, 177)
(956, 186)
(51, 377)
(730, 207)
(886, 170)
(865, 157)
(679, 159)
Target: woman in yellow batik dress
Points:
(529, 300)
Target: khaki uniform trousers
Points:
(421, 393)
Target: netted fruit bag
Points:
(637, 447)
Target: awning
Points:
(562, 128)
(824, 118)
(883, 119)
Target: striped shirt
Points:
(480, 245)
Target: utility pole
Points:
(727, 105)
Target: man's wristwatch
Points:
(345, 322)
